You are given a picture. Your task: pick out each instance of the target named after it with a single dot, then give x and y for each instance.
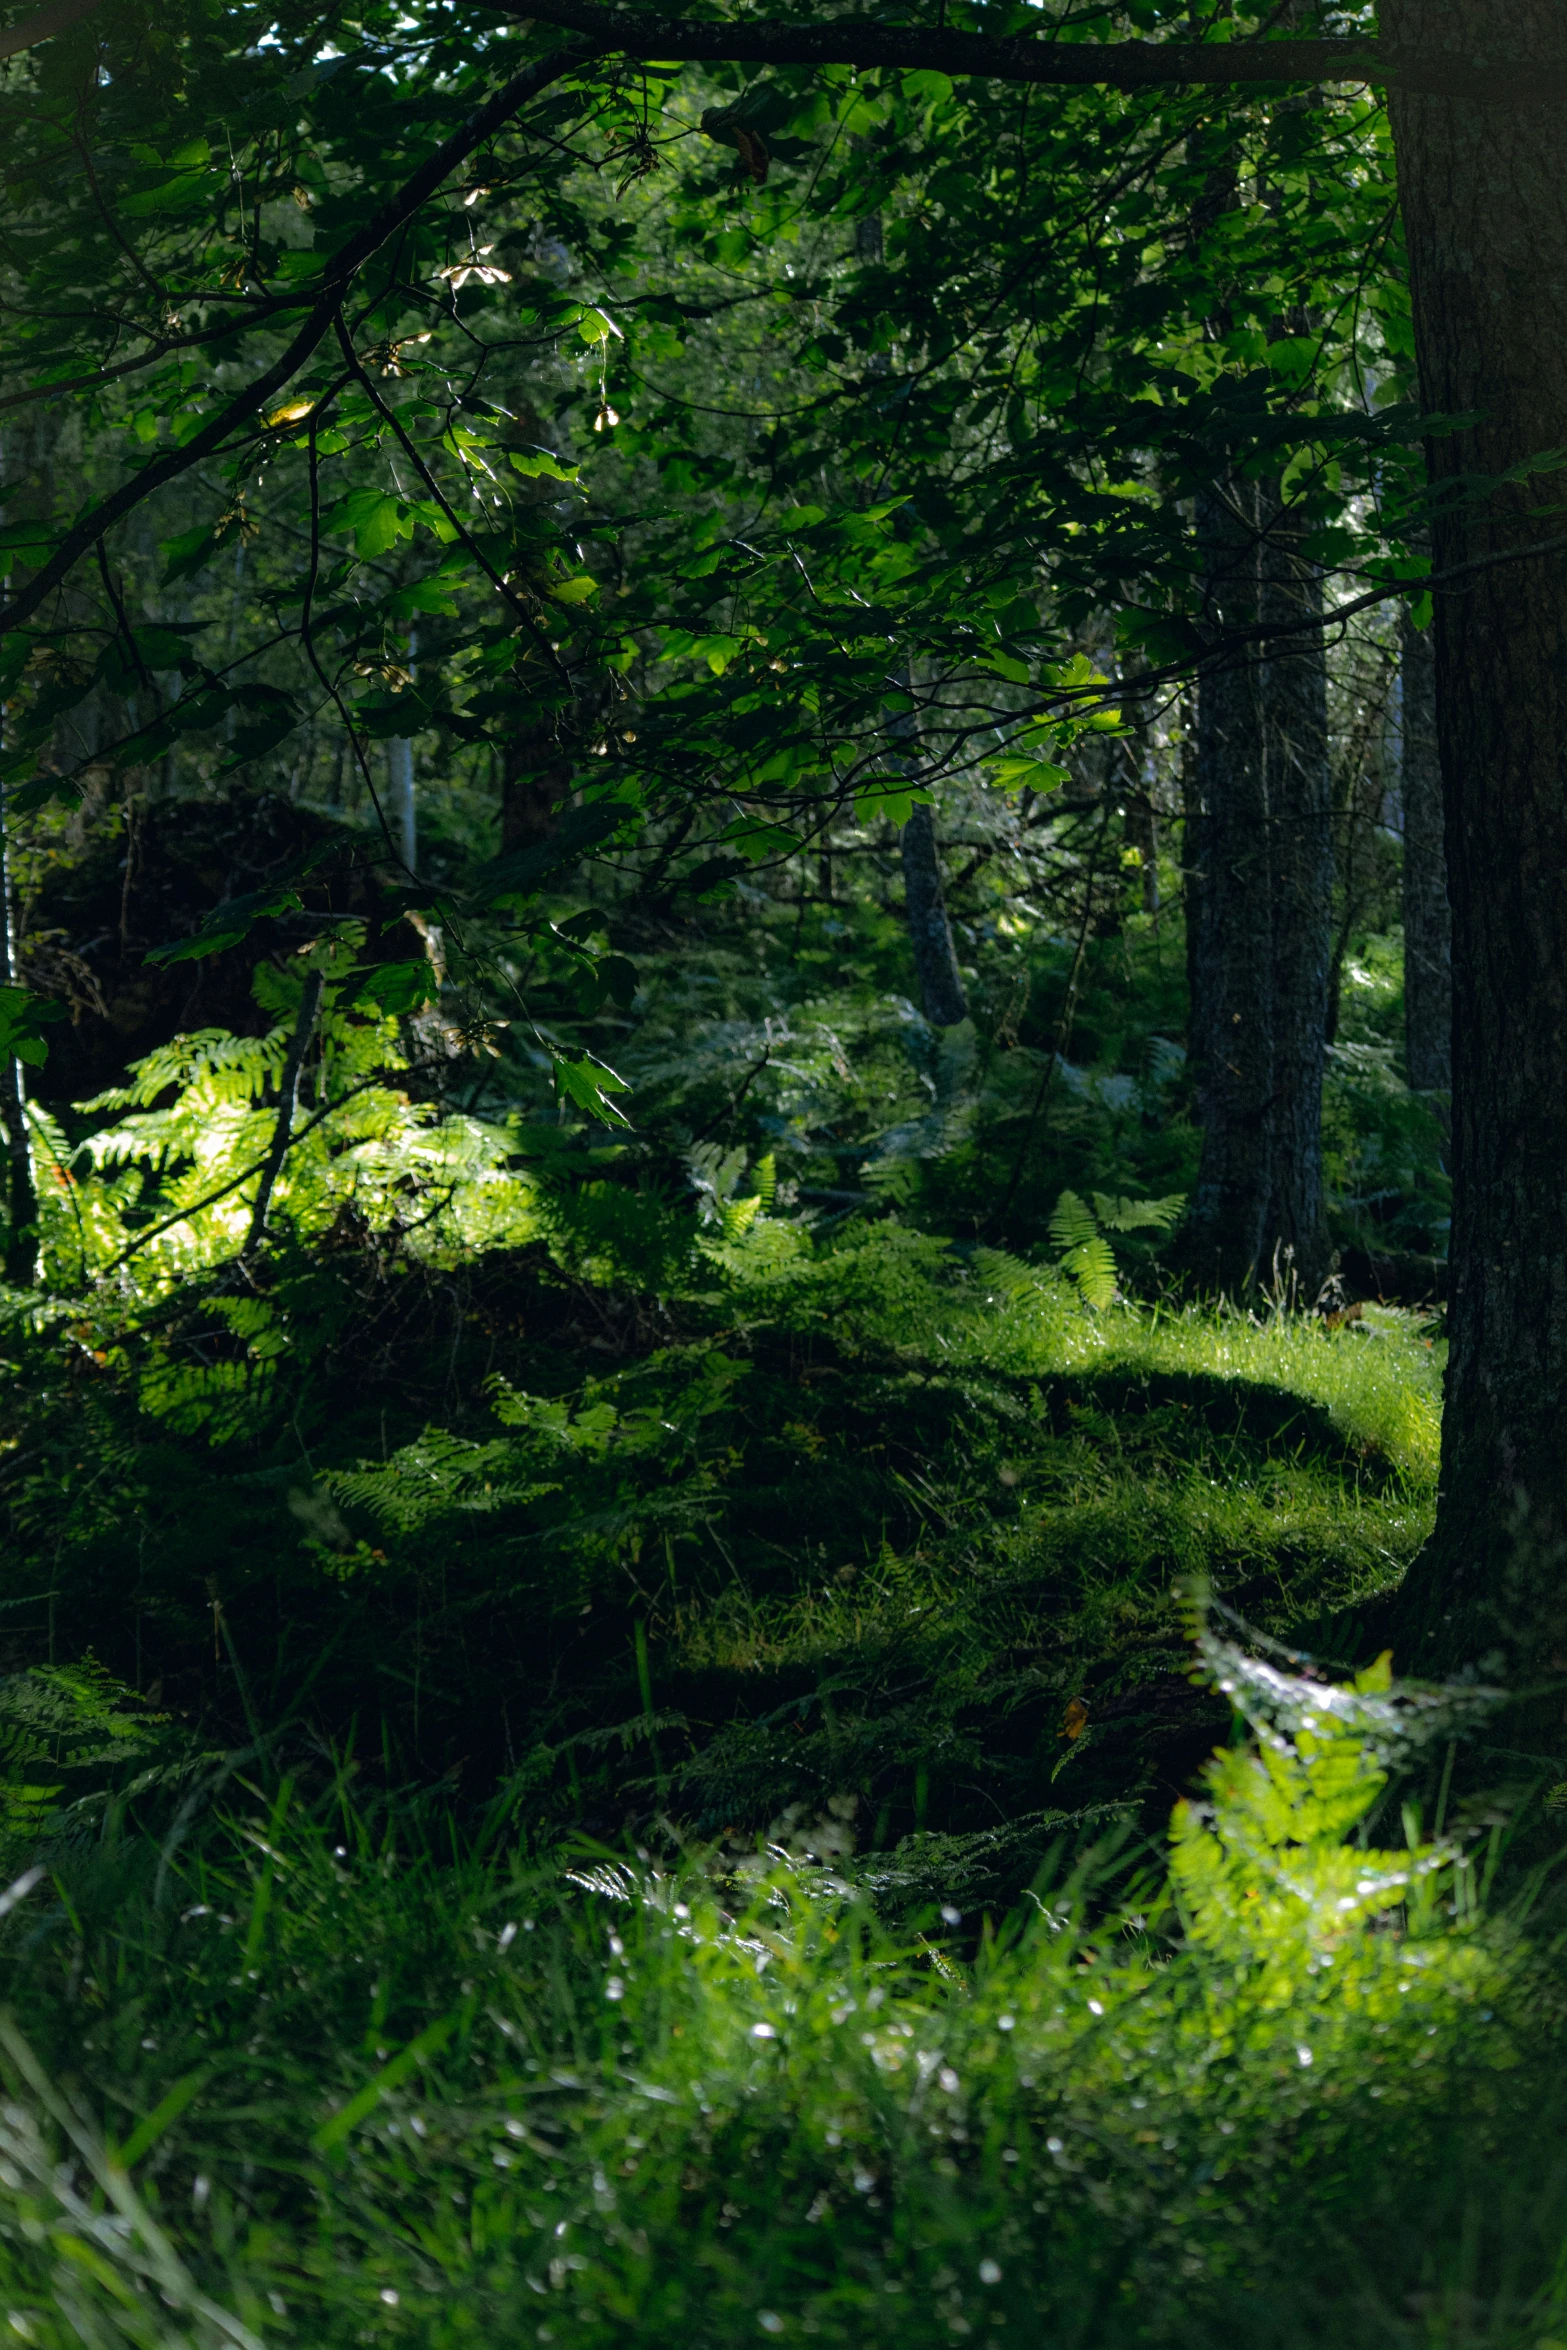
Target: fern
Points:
(168, 1189)
(1085, 1253)
(1138, 1215)
(438, 1472)
(1078, 1231)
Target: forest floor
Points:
(756, 1910)
(692, 1755)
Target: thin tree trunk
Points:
(1193, 855)
(21, 1240)
(925, 901)
(1428, 923)
(1294, 690)
(1231, 1028)
(930, 932)
(1484, 201)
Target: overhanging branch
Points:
(1118, 65)
(320, 303)
(43, 24)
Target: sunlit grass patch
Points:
(376, 2083)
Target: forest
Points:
(783, 1342)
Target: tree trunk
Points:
(1193, 853)
(930, 932)
(1428, 925)
(21, 1204)
(1485, 214)
(1260, 816)
(1231, 1022)
(925, 901)
(535, 778)
(1294, 690)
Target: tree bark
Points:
(930, 932)
(1294, 692)
(1231, 965)
(535, 778)
(1485, 213)
(21, 1205)
(1428, 923)
(942, 997)
(1260, 817)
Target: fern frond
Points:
(436, 1473)
(1092, 1266)
(1138, 1215)
(1007, 1275)
(736, 1216)
(1072, 1223)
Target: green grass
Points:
(700, 1868)
(369, 2085)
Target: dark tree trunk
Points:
(1294, 690)
(535, 778)
(1485, 213)
(925, 901)
(1231, 1022)
(1428, 924)
(930, 932)
(1193, 852)
(1262, 814)
(21, 1203)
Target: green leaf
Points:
(760, 843)
(894, 802)
(537, 464)
(376, 518)
(398, 988)
(1072, 1223)
(187, 553)
(1092, 1267)
(26, 538)
(1025, 774)
(228, 924)
(22, 1014)
(424, 595)
(24, 798)
(588, 1083)
(1139, 1215)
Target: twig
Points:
(288, 1102)
(156, 1231)
(309, 643)
(345, 265)
(464, 536)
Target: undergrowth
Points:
(853, 1517)
(598, 1741)
(317, 2070)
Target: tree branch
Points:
(340, 271)
(1120, 65)
(288, 1103)
(46, 21)
(296, 1136)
